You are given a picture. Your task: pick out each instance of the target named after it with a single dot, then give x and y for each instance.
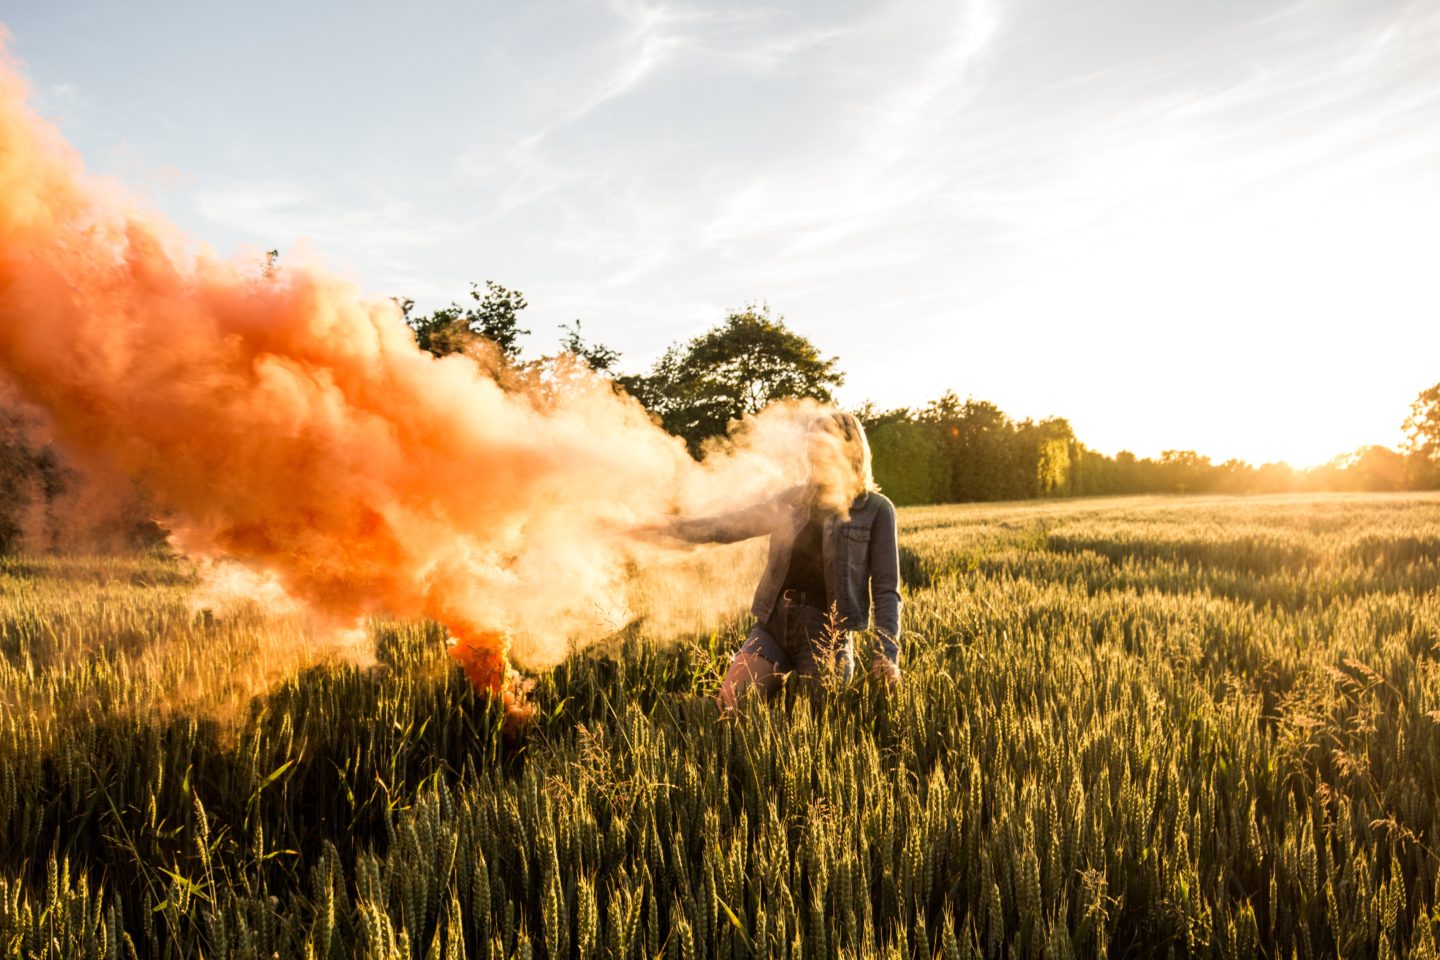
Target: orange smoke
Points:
(285, 422)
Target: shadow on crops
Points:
(1252, 556)
(332, 755)
(1395, 553)
(914, 573)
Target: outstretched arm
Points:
(753, 521)
(885, 586)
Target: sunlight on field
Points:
(1209, 724)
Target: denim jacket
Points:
(861, 556)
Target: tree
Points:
(1376, 468)
(739, 367)
(1044, 456)
(30, 476)
(495, 316)
(872, 417)
(47, 504)
(910, 464)
(980, 445)
(597, 356)
(1422, 427)
(443, 332)
(909, 459)
(1184, 471)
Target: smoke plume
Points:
(281, 420)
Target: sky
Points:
(1181, 224)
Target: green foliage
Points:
(29, 476)
(739, 367)
(597, 356)
(443, 332)
(909, 463)
(1422, 427)
(494, 315)
(1129, 727)
(984, 455)
(1045, 455)
(43, 503)
(1369, 468)
(978, 438)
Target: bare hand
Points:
(883, 668)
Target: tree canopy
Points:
(739, 367)
(1422, 427)
(597, 356)
(494, 315)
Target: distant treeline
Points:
(950, 451)
(954, 451)
(44, 504)
(30, 479)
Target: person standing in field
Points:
(833, 560)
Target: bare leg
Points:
(746, 670)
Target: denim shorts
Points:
(795, 638)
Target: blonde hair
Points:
(849, 436)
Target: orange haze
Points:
(287, 423)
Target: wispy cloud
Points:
(643, 37)
(1286, 103)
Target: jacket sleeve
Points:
(757, 520)
(885, 581)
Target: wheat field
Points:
(1139, 727)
